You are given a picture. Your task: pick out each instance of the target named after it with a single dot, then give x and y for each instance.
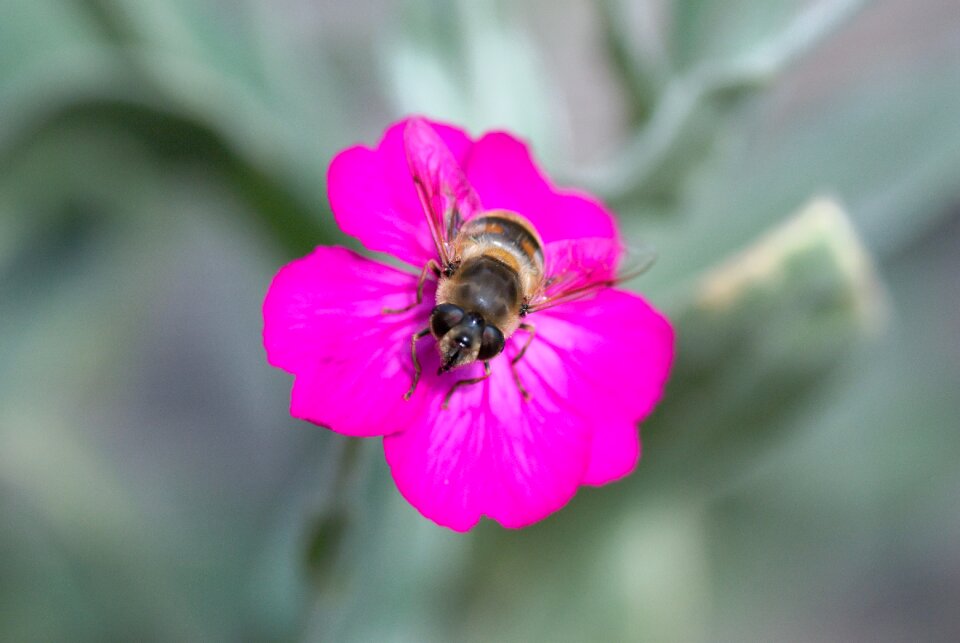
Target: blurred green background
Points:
(796, 163)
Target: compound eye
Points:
(491, 343)
(444, 317)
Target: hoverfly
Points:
(492, 268)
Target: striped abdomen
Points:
(509, 238)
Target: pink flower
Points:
(596, 367)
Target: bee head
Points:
(464, 337)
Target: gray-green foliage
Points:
(794, 162)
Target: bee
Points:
(492, 268)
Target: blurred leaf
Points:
(61, 292)
(39, 588)
(761, 332)
(468, 63)
(702, 30)
(852, 525)
(696, 104)
(820, 231)
(326, 539)
(630, 36)
(176, 81)
(886, 145)
(138, 413)
(32, 29)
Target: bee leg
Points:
(416, 362)
(432, 266)
(472, 380)
(513, 363)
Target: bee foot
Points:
(396, 311)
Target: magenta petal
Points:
(504, 175)
(621, 367)
(492, 454)
(614, 452)
(373, 198)
(511, 460)
(615, 342)
(323, 322)
(597, 367)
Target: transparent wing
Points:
(447, 197)
(578, 268)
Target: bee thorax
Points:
(486, 286)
